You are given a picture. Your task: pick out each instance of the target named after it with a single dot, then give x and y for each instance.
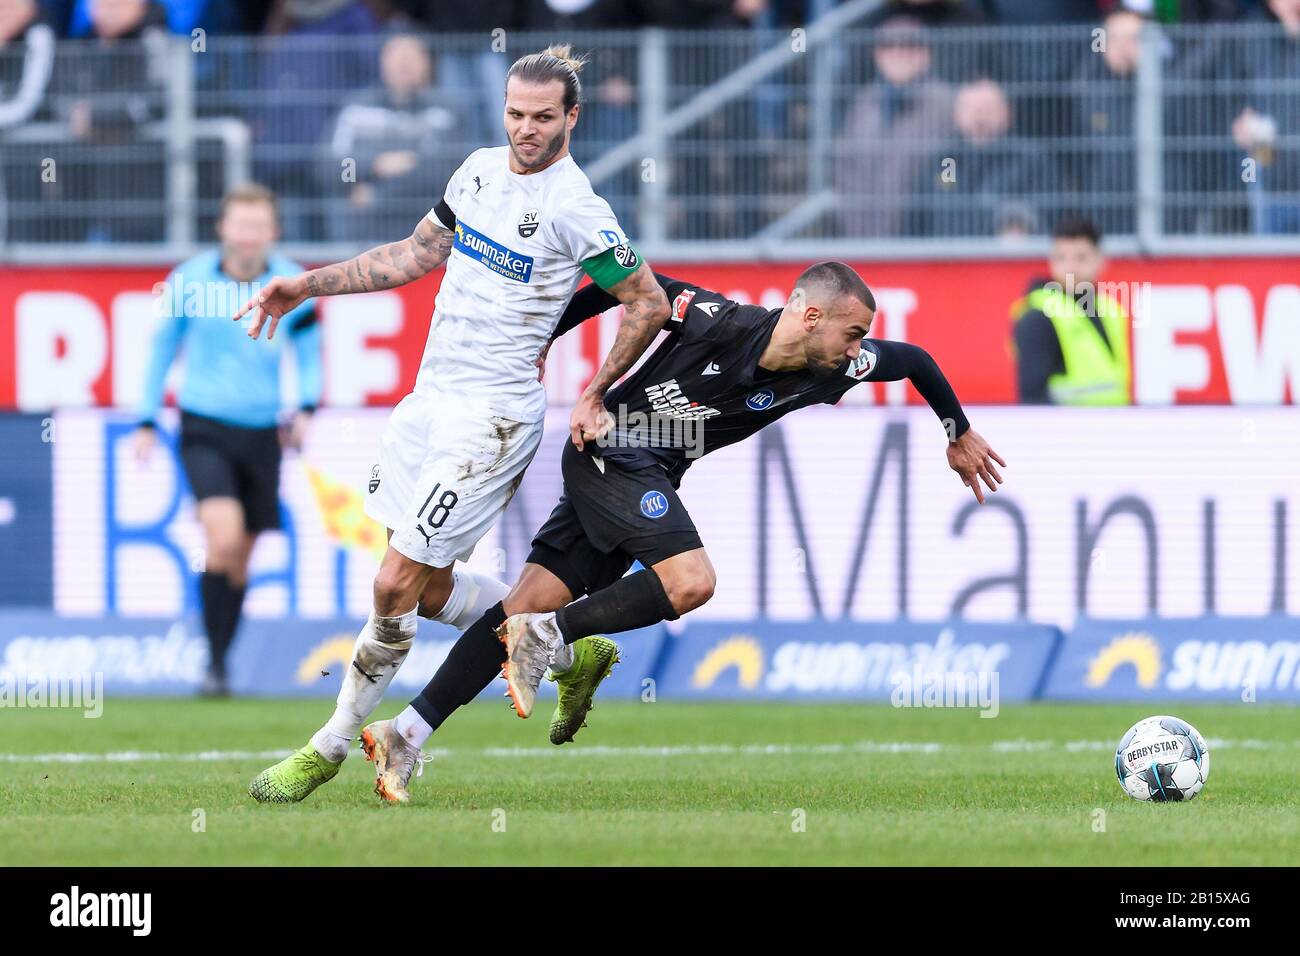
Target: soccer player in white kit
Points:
(517, 227)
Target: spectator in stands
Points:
(1041, 11)
(107, 95)
(892, 127)
(300, 79)
(983, 167)
(934, 13)
(780, 113)
(403, 141)
(1016, 221)
(1266, 128)
(1071, 342)
(1202, 92)
(181, 16)
(696, 14)
(566, 15)
(26, 63)
(472, 70)
(953, 60)
(1177, 11)
(1102, 161)
(609, 76)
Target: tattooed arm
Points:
(645, 310)
(383, 267)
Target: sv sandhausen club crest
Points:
(528, 223)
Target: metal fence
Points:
(719, 145)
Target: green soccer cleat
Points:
(593, 659)
(294, 778)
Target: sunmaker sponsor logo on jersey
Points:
(502, 261)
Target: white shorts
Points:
(446, 472)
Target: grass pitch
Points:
(164, 782)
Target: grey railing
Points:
(728, 145)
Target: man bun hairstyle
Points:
(838, 280)
(556, 62)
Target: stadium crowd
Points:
(70, 19)
(359, 109)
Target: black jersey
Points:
(702, 388)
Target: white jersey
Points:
(515, 263)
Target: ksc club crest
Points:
(528, 223)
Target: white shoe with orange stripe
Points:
(529, 640)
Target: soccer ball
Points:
(1162, 758)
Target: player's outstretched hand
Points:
(589, 421)
(281, 295)
(972, 458)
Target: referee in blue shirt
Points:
(229, 399)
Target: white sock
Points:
(471, 595)
(379, 651)
(412, 726)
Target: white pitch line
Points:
(684, 750)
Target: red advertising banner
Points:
(1217, 331)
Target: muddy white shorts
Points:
(447, 470)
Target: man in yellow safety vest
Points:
(1070, 339)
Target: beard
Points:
(544, 156)
(820, 368)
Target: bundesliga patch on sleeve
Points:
(861, 366)
(682, 303)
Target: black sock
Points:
(638, 600)
(214, 591)
(474, 661)
(234, 611)
(223, 605)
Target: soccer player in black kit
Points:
(729, 369)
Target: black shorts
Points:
(609, 518)
(229, 461)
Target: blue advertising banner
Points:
(853, 660)
(1212, 658)
(144, 656)
(27, 511)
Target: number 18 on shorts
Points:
(446, 473)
